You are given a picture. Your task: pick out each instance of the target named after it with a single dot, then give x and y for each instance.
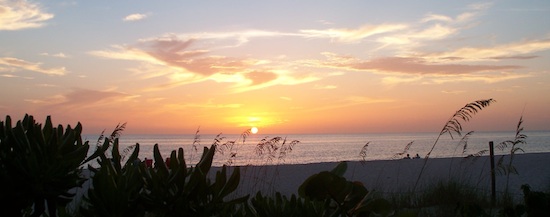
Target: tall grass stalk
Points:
(464, 144)
(273, 151)
(509, 168)
(400, 156)
(195, 144)
(441, 198)
(114, 135)
(363, 153)
(231, 147)
(454, 125)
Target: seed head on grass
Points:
(405, 150)
(454, 125)
(509, 168)
(363, 153)
(230, 146)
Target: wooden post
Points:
(493, 181)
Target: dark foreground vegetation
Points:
(42, 165)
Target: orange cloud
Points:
(182, 63)
(174, 52)
(258, 77)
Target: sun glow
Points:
(254, 130)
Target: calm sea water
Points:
(314, 148)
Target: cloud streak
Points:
(58, 55)
(82, 98)
(18, 64)
(182, 61)
(352, 35)
(516, 50)
(20, 14)
(194, 57)
(405, 65)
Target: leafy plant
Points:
(280, 205)
(342, 197)
(39, 165)
(172, 189)
(536, 203)
(116, 186)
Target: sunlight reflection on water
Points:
(314, 148)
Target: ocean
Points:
(315, 148)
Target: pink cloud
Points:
(258, 77)
(179, 53)
(80, 98)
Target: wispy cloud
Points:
(195, 57)
(20, 14)
(58, 55)
(455, 92)
(480, 6)
(352, 35)
(184, 61)
(485, 77)
(134, 17)
(19, 64)
(516, 50)
(174, 52)
(285, 98)
(283, 77)
(406, 65)
(350, 101)
(325, 87)
(394, 80)
(209, 104)
(325, 22)
(432, 27)
(259, 77)
(80, 98)
(488, 77)
(415, 37)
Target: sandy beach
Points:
(399, 176)
(389, 177)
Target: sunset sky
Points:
(283, 66)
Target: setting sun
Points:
(254, 130)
